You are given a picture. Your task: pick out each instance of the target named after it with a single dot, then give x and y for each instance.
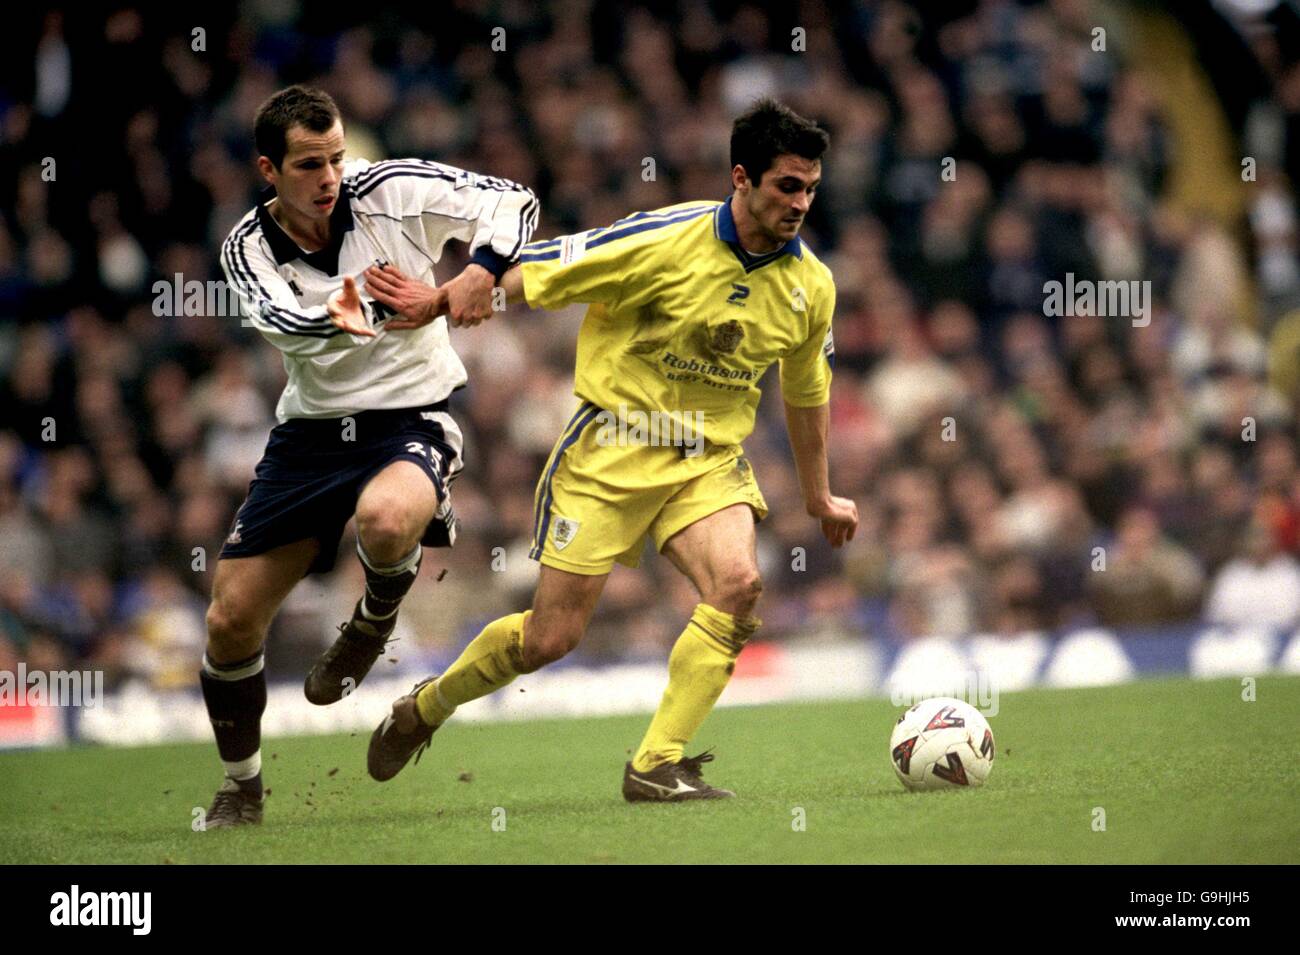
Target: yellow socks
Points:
(491, 660)
(698, 670)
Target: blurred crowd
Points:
(1013, 471)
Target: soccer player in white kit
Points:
(365, 427)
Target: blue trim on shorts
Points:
(539, 539)
(537, 504)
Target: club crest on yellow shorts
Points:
(621, 494)
(565, 530)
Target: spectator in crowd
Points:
(1259, 588)
(1147, 579)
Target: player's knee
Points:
(387, 531)
(543, 645)
(738, 593)
(233, 632)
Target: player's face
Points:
(779, 203)
(308, 179)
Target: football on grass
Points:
(942, 743)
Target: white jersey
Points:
(399, 212)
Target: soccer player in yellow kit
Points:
(689, 305)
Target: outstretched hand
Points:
(344, 309)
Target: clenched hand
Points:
(469, 296)
(839, 519)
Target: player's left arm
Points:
(596, 278)
(808, 427)
(805, 386)
(598, 266)
(495, 216)
(506, 221)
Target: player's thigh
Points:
(247, 592)
(718, 553)
(399, 501)
(707, 530)
(562, 607)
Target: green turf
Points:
(1185, 771)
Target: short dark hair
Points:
(293, 106)
(767, 130)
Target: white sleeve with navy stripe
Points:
(401, 212)
(495, 216)
(270, 304)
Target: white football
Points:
(942, 743)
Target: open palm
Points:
(344, 308)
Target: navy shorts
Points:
(314, 469)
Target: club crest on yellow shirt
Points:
(725, 338)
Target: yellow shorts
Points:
(598, 500)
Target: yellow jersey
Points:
(683, 321)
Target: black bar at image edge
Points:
(185, 903)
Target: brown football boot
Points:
(232, 806)
(400, 736)
(345, 664)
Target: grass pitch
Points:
(1185, 771)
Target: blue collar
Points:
(724, 227)
(286, 250)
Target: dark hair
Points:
(767, 130)
(292, 106)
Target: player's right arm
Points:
(551, 284)
(609, 266)
(269, 303)
(512, 283)
(592, 267)
(612, 266)
(543, 277)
